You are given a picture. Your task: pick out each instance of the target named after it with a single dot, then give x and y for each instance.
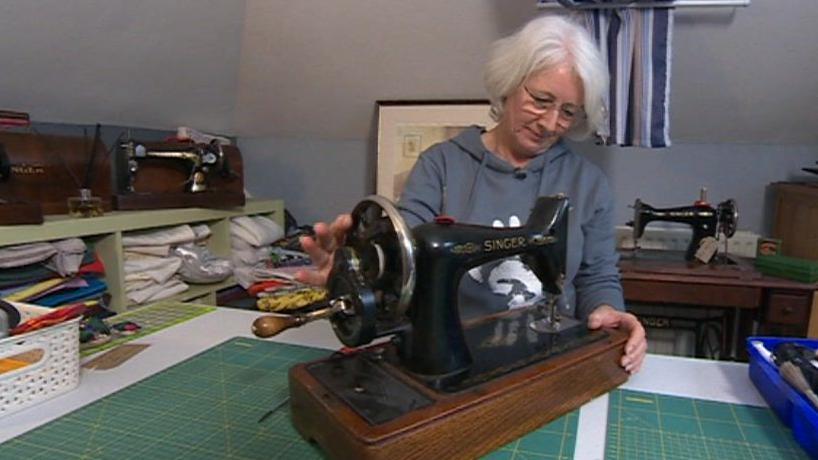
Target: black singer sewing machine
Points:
(441, 388)
(705, 220)
(178, 174)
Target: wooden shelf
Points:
(63, 226)
(104, 235)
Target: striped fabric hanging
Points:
(636, 43)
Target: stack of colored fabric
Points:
(52, 274)
(251, 239)
(266, 262)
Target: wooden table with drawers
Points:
(756, 304)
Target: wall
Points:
(318, 179)
(151, 63)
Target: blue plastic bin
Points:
(792, 408)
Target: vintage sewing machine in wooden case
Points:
(440, 388)
(38, 173)
(152, 175)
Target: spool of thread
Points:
(9, 318)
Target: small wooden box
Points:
(796, 219)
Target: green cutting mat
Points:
(151, 318)
(209, 406)
(651, 426)
(556, 440)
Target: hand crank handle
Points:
(270, 325)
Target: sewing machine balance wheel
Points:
(373, 274)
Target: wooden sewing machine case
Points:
(461, 424)
(162, 183)
(43, 171)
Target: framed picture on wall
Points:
(407, 128)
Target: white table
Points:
(694, 378)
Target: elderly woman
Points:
(545, 82)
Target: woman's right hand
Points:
(321, 249)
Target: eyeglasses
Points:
(540, 105)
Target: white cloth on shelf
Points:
(246, 276)
(25, 254)
(159, 269)
(271, 227)
(171, 236)
(257, 230)
(251, 256)
(158, 291)
(68, 258)
(202, 231)
(159, 250)
(137, 284)
(238, 244)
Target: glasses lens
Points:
(541, 105)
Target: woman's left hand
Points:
(637, 345)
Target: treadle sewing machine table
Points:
(779, 306)
(147, 407)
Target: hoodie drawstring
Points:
(477, 177)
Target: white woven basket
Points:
(57, 370)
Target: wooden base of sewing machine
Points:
(463, 424)
(19, 213)
(166, 200)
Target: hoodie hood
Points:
(495, 170)
(471, 142)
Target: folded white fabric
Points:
(257, 230)
(156, 292)
(270, 226)
(135, 285)
(250, 256)
(244, 228)
(202, 231)
(239, 244)
(161, 250)
(25, 254)
(159, 269)
(68, 258)
(174, 235)
(246, 276)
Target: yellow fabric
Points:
(291, 299)
(33, 290)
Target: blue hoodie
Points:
(463, 179)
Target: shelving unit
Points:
(104, 235)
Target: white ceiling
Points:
(314, 69)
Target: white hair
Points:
(544, 44)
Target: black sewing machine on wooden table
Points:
(440, 388)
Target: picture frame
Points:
(407, 128)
